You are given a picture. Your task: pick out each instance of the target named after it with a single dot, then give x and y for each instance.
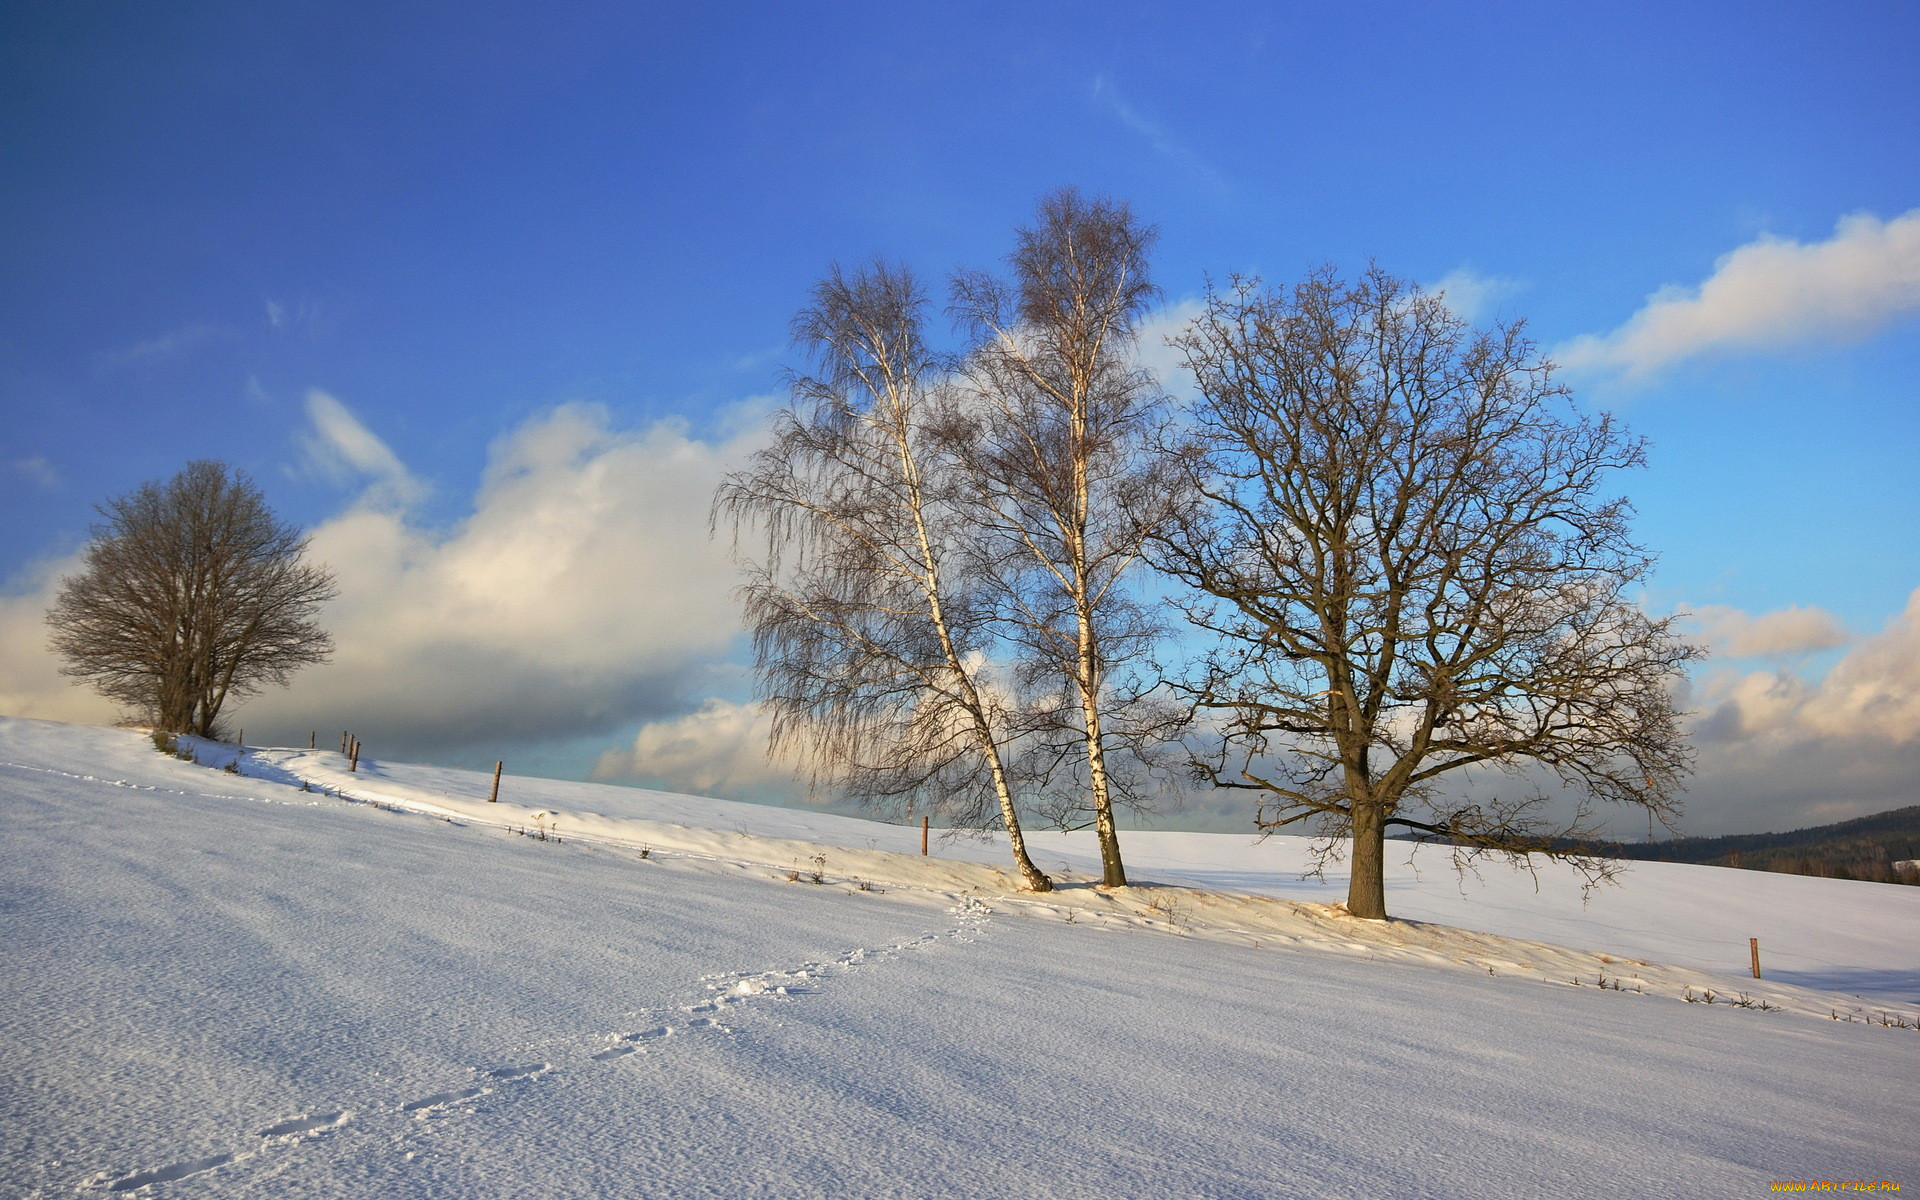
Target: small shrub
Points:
(165, 742)
(1168, 905)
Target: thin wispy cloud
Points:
(1107, 95)
(304, 315)
(1769, 294)
(337, 447)
(167, 345)
(35, 469)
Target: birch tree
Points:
(192, 595)
(1057, 446)
(873, 640)
(1405, 545)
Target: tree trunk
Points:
(1036, 879)
(1367, 887)
(1113, 873)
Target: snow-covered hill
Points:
(220, 984)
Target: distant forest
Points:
(1863, 848)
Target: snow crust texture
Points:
(223, 985)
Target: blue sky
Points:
(527, 238)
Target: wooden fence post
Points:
(494, 797)
(923, 837)
(1753, 944)
(313, 737)
(353, 759)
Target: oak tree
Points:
(1403, 543)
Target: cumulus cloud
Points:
(1779, 751)
(338, 447)
(1733, 633)
(582, 592)
(30, 681)
(719, 750)
(1769, 293)
(1872, 695)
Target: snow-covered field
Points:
(218, 984)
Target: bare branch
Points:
(193, 595)
(1402, 545)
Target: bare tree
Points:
(192, 595)
(1404, 548)
(872, 639)
(1057, 442)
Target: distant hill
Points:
(1863, 848)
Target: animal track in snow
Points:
(306, 1124)
(168, 1174)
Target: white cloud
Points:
(1789, 631)
(167, 345)
(1471, 295)
(1770, 293)
(1105, 93)
(1778, 751)
(36, 469)
(719, 750)
(338, 447)
(583, 592)
(30, 681)
(1871, 696)
(1151, 350)
(1874, 692)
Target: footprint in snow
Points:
(439, 1098)
(306, 1124)
(519, 1072)
(627, 1043)
(168, 1174)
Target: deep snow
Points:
(223, 985)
